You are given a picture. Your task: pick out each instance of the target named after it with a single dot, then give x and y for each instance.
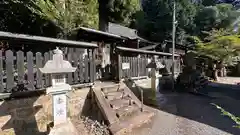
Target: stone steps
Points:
(125, 127)
(112, 88)
(116, 95)
(119, 103)
(127, 111)
(121, 109)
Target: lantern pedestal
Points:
(59, 99)
(58, 68)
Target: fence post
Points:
(94, 63)
(119, 67)
(9, 70)
(138, 66)
(1, 73)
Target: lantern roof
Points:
(57, 65)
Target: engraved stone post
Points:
(58, 69)
(154, 65)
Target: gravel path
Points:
(190, 116)
(185, 114)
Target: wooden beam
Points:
(145, 51)
(58, 42)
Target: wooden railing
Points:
(19, 70)
(132, 63)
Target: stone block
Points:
(27, 113)
(4, 120)
(35, 112)
(79, 93)
(75, 106)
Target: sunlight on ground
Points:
(229, 80)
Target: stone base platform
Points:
(64, 129)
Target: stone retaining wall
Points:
(30, 116)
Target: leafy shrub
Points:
(225, 113)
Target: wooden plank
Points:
(105, 108)
(135, 67)
(70, 58)
(39, 64)
(138, 66)
(86, 67)
(81, 72)
(1, 73)
(144, 51)
(142, 65)
(20, 67)
(50, 58)
(128, 70)
(46, 76)
(30, 75)
(94, 64)
(50, 55)
(91, 70)
(120, 72)
(131, 67)
(75, 64)
(9, 70)
(145, 66)
(123, 70)
(47, 40)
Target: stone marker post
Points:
(154, 65)
(58, 69)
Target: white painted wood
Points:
(125, 66)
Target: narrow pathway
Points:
(190, 116)
(185, 114)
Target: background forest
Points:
(210, 25)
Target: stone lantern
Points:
(58, 68)
(154, 65)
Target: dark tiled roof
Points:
(150, 47)
(125, 32)
(122, 31)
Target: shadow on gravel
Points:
(195, 107)
(229, 90)
(199, 108)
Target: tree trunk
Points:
(221, 69)
(103, 15)
(215, 72)
(103, 26)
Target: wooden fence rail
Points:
(19, 65)
(133, 62)
(19, 71)
(137, 66)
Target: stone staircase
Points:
(122, 109)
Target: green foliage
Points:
(67, 14)
(123, 11)
(209, 2)
(219, 45)
(16, 17)
(225, 113)
(215, 17)
(155, 21)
